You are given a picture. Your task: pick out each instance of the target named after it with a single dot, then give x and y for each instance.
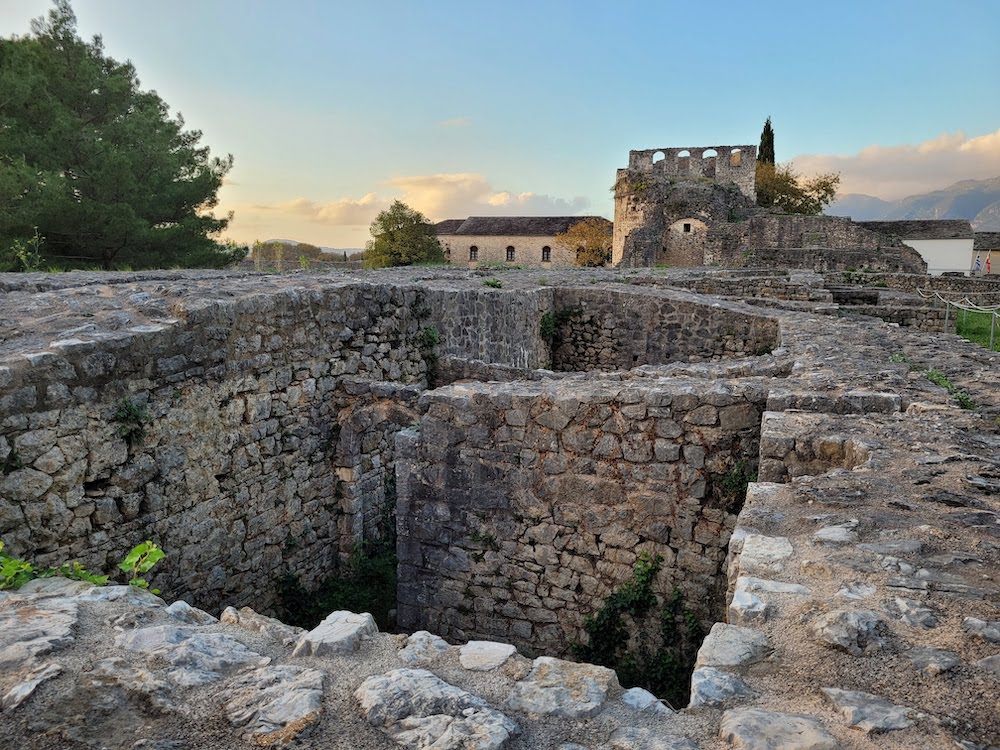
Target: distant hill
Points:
(975, 200)
(332, 250)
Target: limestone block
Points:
(482, 656)
(417, 709)
(912, 612)
(276, 703)
(638, 738)
(746, 609)
(422, 647)
(248, 619)
(756, 729)
(33, 626)
(990, 664)
(852, 630)
(23, 689)
(713, 687)
(562, 688)
(932, 661)
(989, 631)
(184, 612)
(194, 658)
(752, 583)
(764, 554)
(340, 632)
(868, 712)
(732, 646)
(644, 701)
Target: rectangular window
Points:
(687, 227)
(473, 253)
(510, 253)
(546, 254)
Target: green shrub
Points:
(131, 418)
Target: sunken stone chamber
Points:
(269, 412)
(522, 506)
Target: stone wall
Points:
(235, 472)
(981, 290)
(521, 506)
(734, 165)
(616, 330)
(822, 243)
(528, 251)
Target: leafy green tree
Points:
(96, 164)
(781, 188)
(401, 236)
(591, 239)
(765, 153)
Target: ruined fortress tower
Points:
(697, 206)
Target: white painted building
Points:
(945, 244)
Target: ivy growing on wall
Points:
(650, 643)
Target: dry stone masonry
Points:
(262, 425)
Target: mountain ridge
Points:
(977, 201)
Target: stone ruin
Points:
(572, 421)
(696, 206)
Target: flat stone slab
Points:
(868, 712)
(23, 690)
(419, 710)
(482, 656)
(713, 687)
(842, 533)
(914, 613)
(422, 647)
(636, 738)
(989, 631)
(195, 658)
(32, 626)
(732, 646)
(184, 612)
(990, 664)
(340, 632)
(932, 661)
(248, 619)
(275, 704)
(752, 583)
(852, 630)
(755, 729)
(555, 687)
(747, 609)
(764, 554)
(644, 701)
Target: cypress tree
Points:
(765, 154)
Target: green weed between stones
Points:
(427, 340)
(131, 418)
(493, 283)
(15, 572)
(649, 644)
(939, 378)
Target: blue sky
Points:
(333, 109)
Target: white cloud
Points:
(438, 196)
(893, 172)
(343, 212)
(457, 195)
(456, 122)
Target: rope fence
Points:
(966, 305)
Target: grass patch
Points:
(939, 378)
(975, 327)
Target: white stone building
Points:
(517, 240)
